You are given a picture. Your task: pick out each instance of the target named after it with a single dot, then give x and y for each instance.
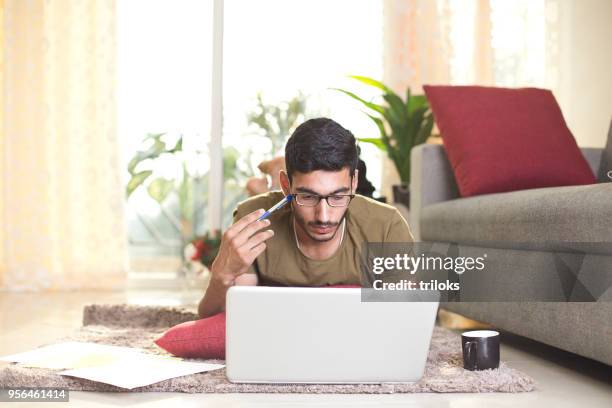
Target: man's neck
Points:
(317, 250)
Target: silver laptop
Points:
(324, 335)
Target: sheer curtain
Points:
(416, 51)
(416, 44)
(61, 216)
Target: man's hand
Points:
(240, 245)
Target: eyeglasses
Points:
(333, 200)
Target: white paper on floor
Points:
(71, 355)
(124, 367)
(140, 370)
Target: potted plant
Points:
(402, 124)
(189, 188)
(277, 121)
(273, 123)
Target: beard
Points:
(302, 223)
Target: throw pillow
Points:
(204, 338)
(500, 139)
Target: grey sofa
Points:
(536, 239)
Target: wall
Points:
(585, 70)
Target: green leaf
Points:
(152, 152)
(394, 156)
(376, 141)
(136, 180)
(408, 93)
(185, 193)
(371, 82)
(178, 147)
(379, 124)
(155, 136)
(397, 106)
(417, 118)
(160, 188)
(230, 160)
(425, 130)
(404, 171)
(396, 124)
(373, 106)
(382, 131)
(417, 102)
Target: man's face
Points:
(322, 221)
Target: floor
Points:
(564, 380)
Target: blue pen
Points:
(275, 207)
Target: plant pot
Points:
(401, 194)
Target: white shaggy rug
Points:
(138, 326)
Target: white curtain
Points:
(416, 44)
(61, 200)
(416, 51)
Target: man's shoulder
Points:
(377, 222)
(264, 200)
(366, 207)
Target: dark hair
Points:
(321, 144)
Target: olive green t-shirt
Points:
(283, 264)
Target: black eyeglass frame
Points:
(320, 197)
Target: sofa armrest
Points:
(593, 156)
(431, 181)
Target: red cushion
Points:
(500, 139)
(204, 338)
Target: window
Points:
(278, 48)
(164, 69)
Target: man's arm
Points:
(240, 245)
(213, 301)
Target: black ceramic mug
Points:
(480, 349)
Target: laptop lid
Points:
(324, 335)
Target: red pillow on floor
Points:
(500, 139)
(204, 338)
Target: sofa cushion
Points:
(546, 219)
(500, 139)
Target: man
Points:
(314, 241)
